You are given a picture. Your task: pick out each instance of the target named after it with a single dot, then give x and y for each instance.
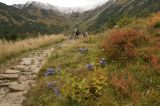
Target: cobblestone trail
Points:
(16, 82)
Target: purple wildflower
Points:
(56, 91)
(50, 71)
(83, 50)
(90, 66)
(50, 85)
(103, 61)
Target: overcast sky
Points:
(63, 3)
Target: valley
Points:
(46, 59)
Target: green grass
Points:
(119, 83)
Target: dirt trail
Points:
(17, 81)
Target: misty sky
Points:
(63, 3)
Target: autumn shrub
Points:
(121, 44)
(158, 46)
(157, 32)
(155, 28)
(154, 60)
(155, 63)
(157, 25)
(123, 84)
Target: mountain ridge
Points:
(65, 10)
(31, 21)
(33, 18)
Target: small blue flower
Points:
(90, 67)
(102, 61)
(56, 91)
(50, 71)
(50, 85)
(83, 50)
(80, 49)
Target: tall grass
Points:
(10, 48)
(130, 75)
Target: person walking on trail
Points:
(85, 34)
(76, 33)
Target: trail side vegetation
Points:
(120, 67)
(9, 49)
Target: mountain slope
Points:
(109, 14)
(29, 21)
(33, 18)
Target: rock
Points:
(33, 85)
(33, 77)
(36, 70)
(8, 76)
(23, 78)
(24, 86)
(31, 82)
(3, 91)
(27, 73)
(14, 98)
(2, 81)
(8, 84)
(23, 75)
(22, 68)
(1, 97)
(10, 104)
(12, 72)
(26, 61)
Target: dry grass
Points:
(122, 83)
(150, 21)
(121, 43)
(9, 48)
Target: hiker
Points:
(76, 33)
(85, 34)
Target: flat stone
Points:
(23, 75)
(4, 90)
(8, 76)
(22, 68)
(26, 61)
(27, 73)
(31, 82)
(1, 97)
(33, 85)
(14, 98)
(8, 84)
(36, 70)
(33, 77)
(10, 104)
(23, 78)
(24, 86)
(2, 81)
(12, 72)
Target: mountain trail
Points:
(17, 81)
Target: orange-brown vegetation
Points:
(122, 43)
(122, 83)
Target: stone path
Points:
(17, 81)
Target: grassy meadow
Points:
(9, 49)
(120, 67)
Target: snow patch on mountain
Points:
(64, 10)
